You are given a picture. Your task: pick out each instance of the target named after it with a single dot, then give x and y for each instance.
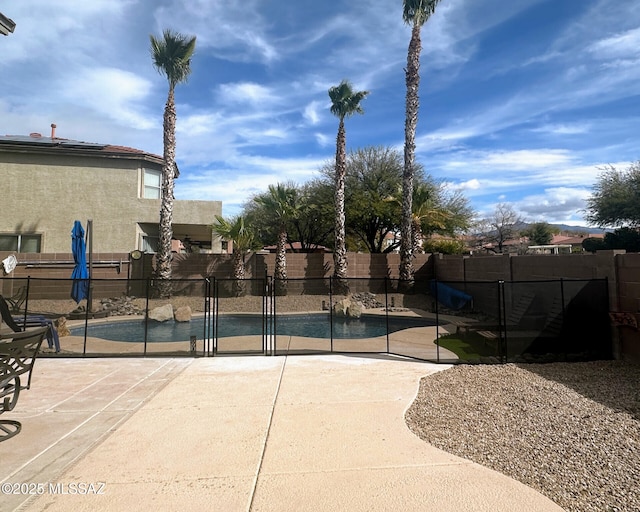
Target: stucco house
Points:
(48, 182)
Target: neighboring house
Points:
(575, 241)
(48, 182)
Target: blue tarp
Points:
(450, 297)
(80, 274)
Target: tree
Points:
(436, 212)
(280, 200)
(593, 244)
(373, 195)
(415, 13)
(539, 233)
(372, 177)
(172, 58)
(502, 225)
(615, 200)
(444, 246)
(311, 227)
(623, 238)
(344, 103)
(235, 231)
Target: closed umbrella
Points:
(80, 274)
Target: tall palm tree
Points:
(172, 58)
(415, 13)
(242, 238)
(344, 103)
(281, 200)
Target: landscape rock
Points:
(121, 306)
(183, 314)
(341, 307)
(348, 307)
(162, 313)
(355, 309)
(367, 299)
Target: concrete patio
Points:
(236, 434)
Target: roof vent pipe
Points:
(53, 131)
(35, 135)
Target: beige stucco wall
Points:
(44, 194)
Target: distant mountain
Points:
(564, 228)
(579, 229)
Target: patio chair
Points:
(16, 301)
(18, 353)
(18, 324)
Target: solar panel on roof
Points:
(80, 144)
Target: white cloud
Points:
(311, 113)
(234, 31)
(245, 92)
(564, 128)
(112, 92)
(555, 204)
(473, 184)
(619, 46)
(322, 139)
(526, 159)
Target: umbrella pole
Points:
(90, 247)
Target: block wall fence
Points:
(621, 269)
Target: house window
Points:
(152, 184)
(20, 243)
(150, 244)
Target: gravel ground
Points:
(248, 303)
(569, 430)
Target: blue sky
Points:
(522, 101)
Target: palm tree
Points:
(281, 200)
(172, 58)
(236, 232)
(344, 103)
(426, 210)
(415, 13)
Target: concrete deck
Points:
(237, 434)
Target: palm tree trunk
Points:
(163, 262)
(281, 254)
(340, 249)
(412, 76)
(416, 236)
(238, 273)
(281, 262)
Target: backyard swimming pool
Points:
(310, 326)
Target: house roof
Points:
(35, 142)
(574, 240)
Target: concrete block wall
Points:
(488, 268)
(628, 297)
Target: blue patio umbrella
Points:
(80, 274)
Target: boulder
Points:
(183, 314)
(341, 307)
(355, 309)
(348, 307)
(162, 313)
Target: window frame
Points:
(157, 188)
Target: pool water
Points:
(311, 326)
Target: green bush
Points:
(444, 246)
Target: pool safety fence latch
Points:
(192, 344)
